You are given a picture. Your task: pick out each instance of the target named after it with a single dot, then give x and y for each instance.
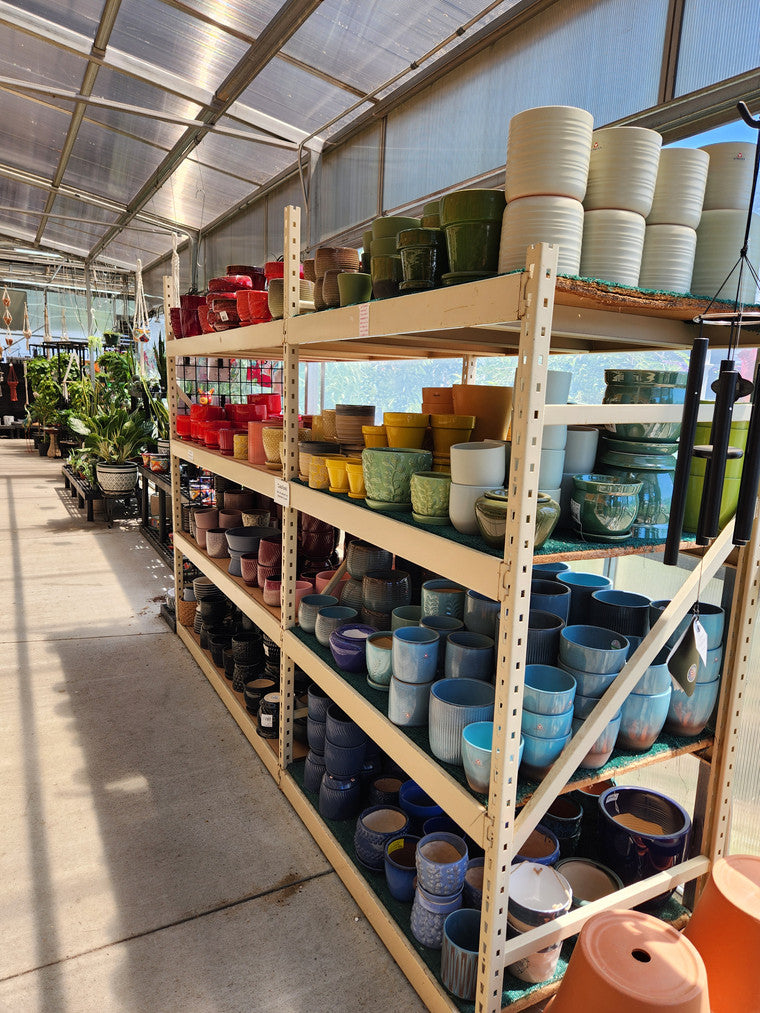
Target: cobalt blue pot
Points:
(417, 805)
(339, 798)
(400, 866)
(348, 646)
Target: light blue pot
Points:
(378, 658)
(454, 704)
(441, 597)
(547, 726)
(548, 690)
(657, 677)
(688, 715)
(643, 718)
(601, 750)
(460, 953)
(414, 654)
(590, 683)
(476, 755)
(468, 656)
(592, 649)
(406, 615)
(712, 618)
(481, 614)
(539, 754)
(408, 703)
(710, 671)
(439, 877)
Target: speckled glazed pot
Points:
(388, 473)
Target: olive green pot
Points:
(492, 508)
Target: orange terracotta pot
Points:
(725, 928)
(491, 406)
(630, 962)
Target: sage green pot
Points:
(388, 474)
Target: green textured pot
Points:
(385, 247)
(604, 505)
(491, 511)
(635, 377)
(652, 393)
(423, 258)
(430, 494)
(472, 205)
(388, 474)
(354, 288)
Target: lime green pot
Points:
(354, 288)
(730, 497)
(387, 275)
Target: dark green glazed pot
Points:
(423, 258)
(603, 504)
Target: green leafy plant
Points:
(47, 406)
(82, 463)
(113, 437)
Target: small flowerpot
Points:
(375, 828)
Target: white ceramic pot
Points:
(548, 152)
(729, 177)
(680, 188)
(719, 239)
(558, 383)
(580, 449)
(482, 463)
(613, 242)
(462, 506)
(530, 220)
(667, 260)
(623, 169)
(537, 894)
(555, 438)
(551, 468)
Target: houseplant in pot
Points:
(114, 438)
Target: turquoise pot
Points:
(656, 492)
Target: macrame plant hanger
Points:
(27, 331)
(140, 324)
(12, 383)
(7, 319)
(728, 388)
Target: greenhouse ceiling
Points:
(125, 123)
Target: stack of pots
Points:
(329, 263)
(580, 454)
(441, 860)
(414, 664)
(385, 261)
(548, 152)
(731, 482)
(547, 717)
(446, 431)
(593, 656)
(383, 590)
(472, 219)
(670, 240)
(537, 894)
(345, 746)
(645, 709)
(720, 234)
(644, 452)
(552, 466)
(424, 258)
(621, 182)
(475, 469)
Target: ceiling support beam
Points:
(283, 25)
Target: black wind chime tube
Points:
(689, 419)
(748, 487)
(720, 434)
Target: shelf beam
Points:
(251, 476)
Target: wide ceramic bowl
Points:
(492, 509)
(388, 474)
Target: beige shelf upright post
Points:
(536, 309)
(291, 306)
(170, 299)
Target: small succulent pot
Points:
(314, 769)
(472, 222)
(430, 497)
(375, 436)
(429, 914)
(375, 827)
(383, 789)
(424, 258)
(711, 617)
(399, 860)
(417, 805)
(481, 614)
(550, 596)
(408, 703)
(384, 590)
(469, 656)
(247, 648)
(216, 543)
(539, 754)
(339, 797)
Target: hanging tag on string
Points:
(683, 660)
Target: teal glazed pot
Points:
(656, 493)
(388, 475)
(491, 511)
(424, 258)
(472, 221)
(603, 504)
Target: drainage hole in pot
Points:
(641, 955)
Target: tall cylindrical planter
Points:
(679, 192)
(613, 242)
(623, 169)
(557, 220)
(667, 260)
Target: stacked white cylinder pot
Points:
(671, 239)
(547, 166)
(619, 195)
(724, 217)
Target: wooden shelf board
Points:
(249, 599)
(348, 692)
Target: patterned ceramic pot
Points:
(388, 473)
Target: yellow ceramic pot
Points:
(240, 446)
(336, 470)
(355, 474)
(318, 476)
(450, 429)
(406, 429)
(272, 437)
(375, 436)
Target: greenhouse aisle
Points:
(148, 861)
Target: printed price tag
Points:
(700, 639)
(191, 455)
(282, 492)
(364, 320)
(223, 315)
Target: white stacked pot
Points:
(720, 235)
(555, 437)
(670, 243)
(621, 183)
(547, 166)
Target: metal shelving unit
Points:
(501, 315)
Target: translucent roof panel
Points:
(32, 134)
(133, 245)
(70, 207)
(195, 195)
(16, 199)
(713, 48)
(241, 15)
(155, 132)
(252, 162)
(77, 15)
(27, 58)
(179, 42)
(110, 164)
(80, 224)
(295, 96)
(111, 84)
(365, 44)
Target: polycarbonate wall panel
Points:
(576, 53)
(240, 241)
(345, 186)
(135, 244)
(288, 193)
(717, 42)
(27, 58)
(155, 32)
(31, 136)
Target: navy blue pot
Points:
(339, 798)
(344, 761)
(400, 866)
(636, 854)
(318, 702)
(418, 806)
(341, 730)
(622, 611)
(314, 768)
(375, 827)
(315, 734)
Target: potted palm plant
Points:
(114, 438)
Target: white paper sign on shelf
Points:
(282, 492)
(364, 320)
(190, 455)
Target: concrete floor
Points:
(147, 860)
